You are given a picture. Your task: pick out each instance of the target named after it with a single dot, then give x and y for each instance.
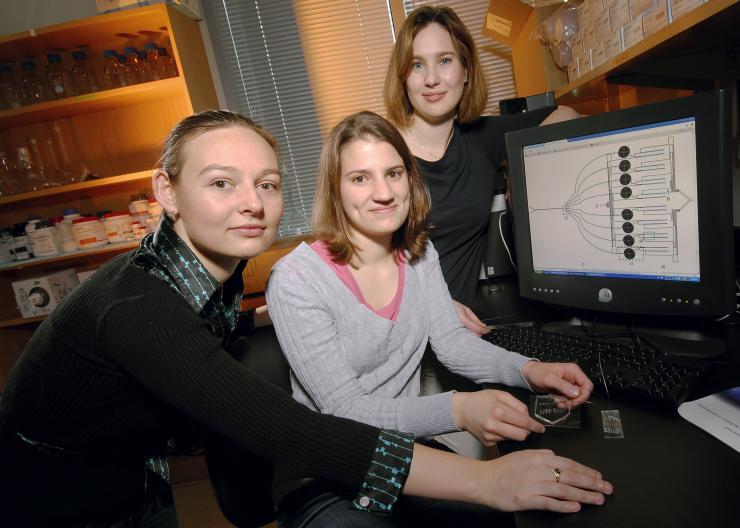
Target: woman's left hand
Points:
(565, 378)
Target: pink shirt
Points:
(389, 311)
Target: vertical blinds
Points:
(299, 67)
(495, 58)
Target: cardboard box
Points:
(680, 7)
(619, 14)
(515, 24)
(189, 7)
(613, 45)
(632, 33)
(638, 7)
(602, 26)
(41, 295)
(573, 70)
(505, 20)
(597, 56)
(656, 18)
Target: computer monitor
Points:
(628, 212)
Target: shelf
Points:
(20, 321)
(709, 28)
(93, 102)
(69, 257)
(75, 188)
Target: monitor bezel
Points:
(716, 289)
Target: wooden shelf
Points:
(75, 188)
(710, 27)
(69, 257)
(21, 321)
(92, 102)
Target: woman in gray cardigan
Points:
(354, 310)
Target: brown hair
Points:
(330, 222)
(194, 125)
(475, 92)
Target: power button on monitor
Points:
(605, 295)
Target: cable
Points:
(503, 240)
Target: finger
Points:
(566, 464)
(540, 502)
(585, 481)
(561, 491)
(565, 388)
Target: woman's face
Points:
(228, 197)
(374, 188)
(437, 77)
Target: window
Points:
(299, 67)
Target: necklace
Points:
(433, 155)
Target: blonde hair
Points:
(475, 92)
(330, 222)
(194, 125)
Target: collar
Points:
(165, 255)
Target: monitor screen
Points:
(628, 211)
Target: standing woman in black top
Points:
(435, 93)
(139, 350)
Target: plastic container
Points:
(6, 245)
(153, 60)
(30, 88)
(30, 229)
(113, 74)
(58, 77)
(138, 205)
(84, 77)
(9, 97)
(21, 244)
(89, 232)
(168, 67)
(118, 226)
(139, 229)
(66, 234)
(46, 239)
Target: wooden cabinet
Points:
(697, 51)
(118, 134)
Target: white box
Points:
(189, 7)
(656, 18)
(632, 33)
(41, 295)
(680, 7)
(613, 45)
(638, 7)
(597, 56)
(602, 26)
(619, 14)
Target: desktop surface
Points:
(665, 471)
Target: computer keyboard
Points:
(628, 371)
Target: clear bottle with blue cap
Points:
(31, 88)
(9, 97)
(84, 77)
(58, 77)
(113, 74)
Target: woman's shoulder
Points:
(303, 263)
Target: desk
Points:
(666, 472)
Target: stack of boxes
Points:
(608, 27)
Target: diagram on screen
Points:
(627, 203)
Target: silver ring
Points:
(556, 472)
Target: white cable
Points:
(503, 240)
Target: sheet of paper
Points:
(718, 414)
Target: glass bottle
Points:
(145, 68)
(7, 177)
(153, 60)
(58, 77)
(28, 176)
(84, 77)
(38, 162)
(30, 86)
(134, 67)
(168, 63)
(128, 74)
(8, 89)
(113, 75)
(73, 170)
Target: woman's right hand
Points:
(492, 416)
(527, 480)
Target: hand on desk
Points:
(492, 416)
(565, 378)
(541, 480)
(469, 319)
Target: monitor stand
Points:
(668, 338)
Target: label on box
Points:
(681, 7)
(656, 18)
(633, 33)
(613, 45)
(498, 24)
(638, 7)
(597, 56)
(619, 13)
(602, 26)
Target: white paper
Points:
(718, 414)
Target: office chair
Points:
(241, 481)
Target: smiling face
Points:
(374, 189)
(227, 197)
(436, 80)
